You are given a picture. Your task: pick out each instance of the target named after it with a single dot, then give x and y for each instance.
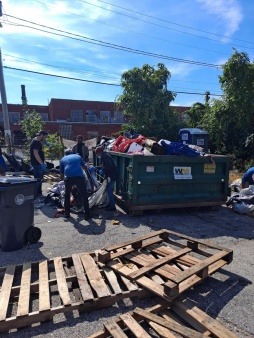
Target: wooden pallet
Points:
(181, 319)
(165, 262)
(35, 292)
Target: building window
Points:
(77, 116)
(118, 117)
(44, 116)
(91, 116)
(65, 131)
(105, 116)
(14, 117)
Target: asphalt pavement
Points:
(228, 295)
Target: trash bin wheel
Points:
(32, 235)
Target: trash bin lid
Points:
(193, 131)
(11, 180)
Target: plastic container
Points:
(194, 136)
(17, 195)
(170, 181)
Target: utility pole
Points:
(7, 129)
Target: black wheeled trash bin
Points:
(17, 195)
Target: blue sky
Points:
(199, 31)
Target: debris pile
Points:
(141, 145)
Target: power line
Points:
(101, 74)
(110, 45)
(172, 23)
(169, 28)
(135, 32)
(61, 76)
(97, 82)
(89, 72)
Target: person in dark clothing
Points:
(81, 149)
(3, 166)
(71, 171)
(37, 158)
(111, 174)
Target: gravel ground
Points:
(228, 295)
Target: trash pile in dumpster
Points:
(141, 145)
(162, 263)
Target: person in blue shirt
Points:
(248, 178)
(71, 171)
(111, 174)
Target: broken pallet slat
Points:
(210, 324)
(158, 263)
(61, 281)
(114, 330)
(179, 319)
(201, 267)
(94, 276)
(134, 326)
(112, 279)
(175, 327)
(162, 331)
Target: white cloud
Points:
(229, 12)
(180, 70)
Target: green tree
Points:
(195, 115)
(55, 148)
(230, 121)
(31, 124)
(146, 101)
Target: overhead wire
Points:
(162, 26)
(173, 23)
(96, 82)
(110, 45)
(101, 74)
(138, 33)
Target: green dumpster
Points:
(169, 181)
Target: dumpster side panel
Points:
(170, 181)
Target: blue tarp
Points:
(177, 148)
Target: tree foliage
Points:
(146, 100)
(230, 120)
(31, 124)
(55, 148)
(194, 116)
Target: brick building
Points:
(71, 118)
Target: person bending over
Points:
(248, 178)
(71, 171)
(111, 174)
